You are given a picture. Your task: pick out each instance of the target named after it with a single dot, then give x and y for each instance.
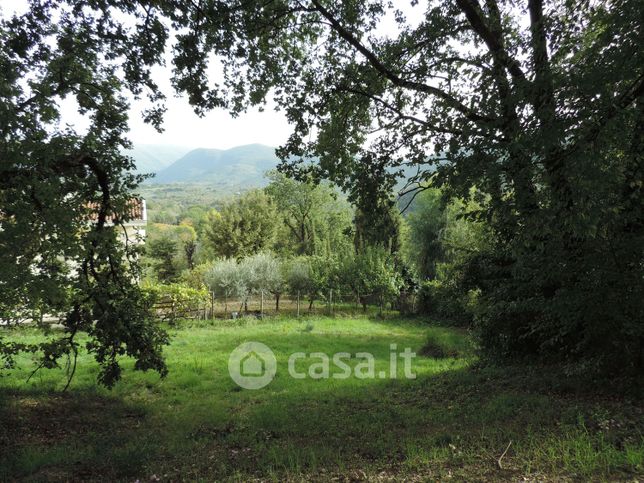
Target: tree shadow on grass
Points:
(453, 423)
(69, 436)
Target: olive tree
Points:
(539, 105)
(224, 280)
(264, 275)
(299, 278)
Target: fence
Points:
(292, 304)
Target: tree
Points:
(324, 276)
(188, 238)
(194, 216)
(427, 222)
(171, 248)
(163, 250)
(243, 227)
(264, 272)
(315, 219)
(378, 223)
(298, 276)
(445, 237)
(64, 195)
(444, 233)
(224, 280)
(371, 273)
(542, 109)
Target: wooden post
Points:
(226, 305)
(261, 304)
(212, 305)
(298, 303)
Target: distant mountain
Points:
(151, 158)
(242, 166)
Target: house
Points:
(133, 230)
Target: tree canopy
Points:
(316, 218)
(64, 195)
(244, 226)
(538, 105)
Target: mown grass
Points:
(453, 421)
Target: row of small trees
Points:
(369, 276)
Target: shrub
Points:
(447, 301)
(196, 277)
(176, 301)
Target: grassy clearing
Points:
(453, 420)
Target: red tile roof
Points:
(136, 211)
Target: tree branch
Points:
(494, 42)
(544, 91)
(401, 115)
(392, 76)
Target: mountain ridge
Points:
(239, 166)
(150, 158)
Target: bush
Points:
(196, 277)
(176, 301)
(447, 301)
(555, 311)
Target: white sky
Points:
(217, 129)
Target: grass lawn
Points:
(454, 420)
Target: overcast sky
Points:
(183, 127)
(217, 129)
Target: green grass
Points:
(454, 420)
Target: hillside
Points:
(151, 158)
(238, 167)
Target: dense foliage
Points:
(444, 238)
(244, 226)
(174, 301)
(316, 219)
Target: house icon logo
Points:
(252, 365)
